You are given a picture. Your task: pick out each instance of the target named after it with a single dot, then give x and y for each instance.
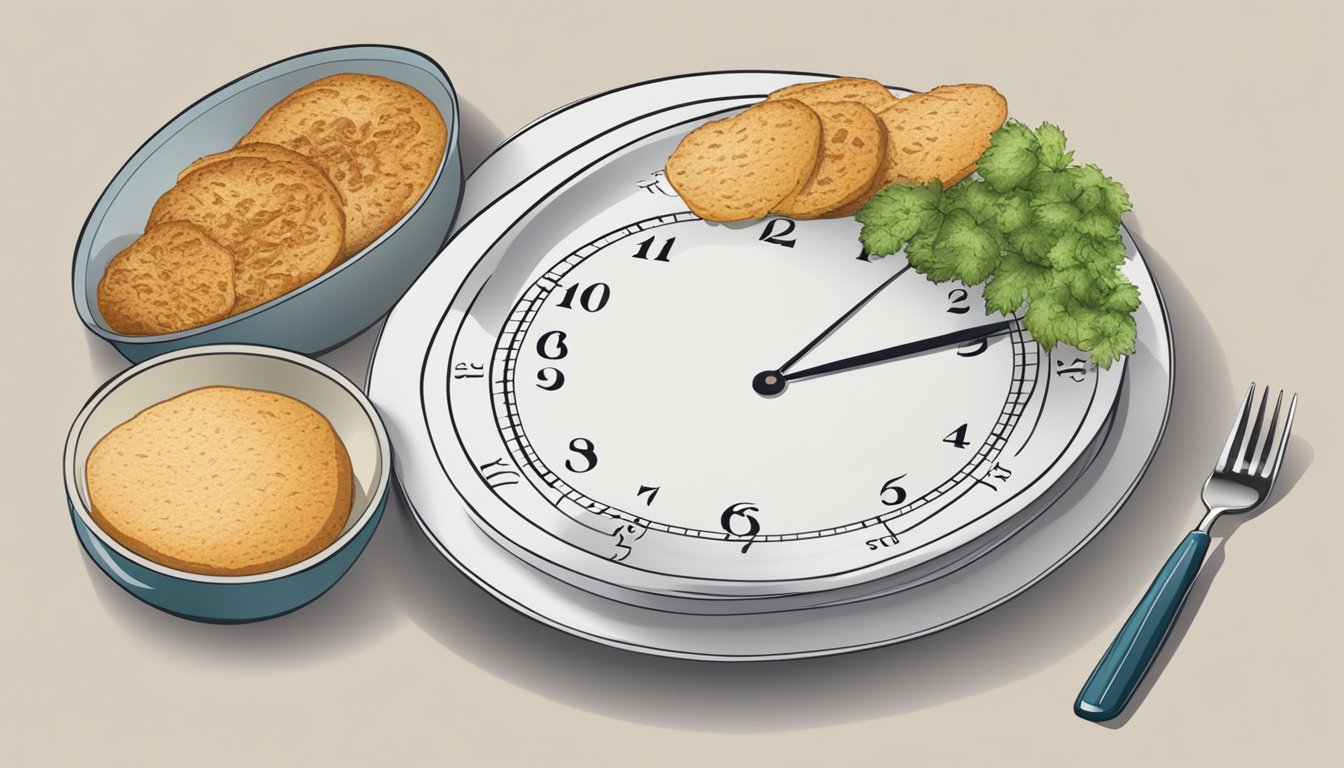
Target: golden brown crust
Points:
(222, 481)
(851, 207)
(940, 135)
(853, 149)
(861, 90)
(173, 277)
(789, 91)
(741, 167)
(259, 149)
(280, 219)
(380, 142)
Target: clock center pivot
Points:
(769, 383)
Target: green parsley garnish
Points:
(1044, 233)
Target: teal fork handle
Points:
(1123, 666)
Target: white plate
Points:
(395, 379)
(820, 529)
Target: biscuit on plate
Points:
(281, 219)
(222, 481)
(173, 277)
(742, 166)
(853, 149)
(378, 140)
(869, 93)
(940, 135)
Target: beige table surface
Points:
(1223, 124)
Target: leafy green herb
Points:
(1042, 231)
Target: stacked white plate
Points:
(574, 395)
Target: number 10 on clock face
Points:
(649, 395)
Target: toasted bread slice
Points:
(172, 278)
(941, 134)
(743, 166)
(853, 150)
(280, 219)
(222, 481)
(869, 93)
(379, 140)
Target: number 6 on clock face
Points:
(620, 387)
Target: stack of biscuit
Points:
(819, 150)
(321, 175)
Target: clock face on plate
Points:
(685, 408)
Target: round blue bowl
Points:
(233, 599)
(326, 311)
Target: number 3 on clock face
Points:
(620, 394)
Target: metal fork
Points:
(1240, 482)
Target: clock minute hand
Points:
(841, 320)
(904, 350)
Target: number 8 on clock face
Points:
(748, 410)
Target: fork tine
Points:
(1248, 453)
(1234, 437)
(1283, 443)
(1262, 464)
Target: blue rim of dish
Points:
(451, 147)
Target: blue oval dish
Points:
(233, 599)
(328, 310)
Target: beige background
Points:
(1223, 124)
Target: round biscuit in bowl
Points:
(378, 140)
(253, 596)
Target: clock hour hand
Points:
(773, 382)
